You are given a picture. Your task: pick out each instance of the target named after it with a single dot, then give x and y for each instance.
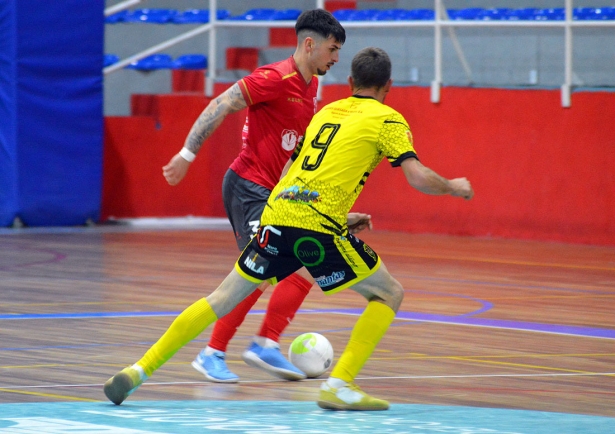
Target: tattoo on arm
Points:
(236, 99)
(228, 102)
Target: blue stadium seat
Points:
(405, 14)
(356, 14)
(464, 14)
(286, 15)
(419, 15)
(384, 14)
(116, 18)
(262, 14)
(190, 61)
(493, 14)
(110, 59)
(199, 16)
(583, 13)
(605, 13)
(365, 15)
(523, 14)
(343, 14)
(554, 14)
(388, 14)
(156, 16)
(153, 62)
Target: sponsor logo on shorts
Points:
(348, 255)
(263, 239)
(254, 224)
(335, 277)
(309, 251)
(370, 252)
(256, 263)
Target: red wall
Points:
(540, 171)
(137, 147)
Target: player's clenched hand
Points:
(358, 221)
(175, 170)
(462, 188)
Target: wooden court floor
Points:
(484, 323)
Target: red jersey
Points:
(280, 107)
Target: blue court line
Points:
(83, 315)
(410, 316)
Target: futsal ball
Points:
(312, 353)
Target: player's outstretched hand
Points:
(175, 170)
(358, 221)
(462, 188)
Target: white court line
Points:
(510, 328)
(452, 322)
(404, 377)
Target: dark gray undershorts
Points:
(244, 202)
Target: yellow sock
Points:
(367, 332)
(187, 326)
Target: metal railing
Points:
(440, 22)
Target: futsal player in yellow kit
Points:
(305, 224)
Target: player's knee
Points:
(397, 294)
(303, 272)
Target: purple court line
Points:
(486, 305)
(560, 329)
(56, 257)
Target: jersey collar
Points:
(364, 97)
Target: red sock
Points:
(226, 327)
(285, 301)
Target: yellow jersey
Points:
(343, 144)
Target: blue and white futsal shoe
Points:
(271, 360)
(214, 367)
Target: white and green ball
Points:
(312, 353)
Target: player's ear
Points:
(387, 87)
(308, 44)
(351, 83)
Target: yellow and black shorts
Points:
(336, 262)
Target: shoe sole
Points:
(202, 370)
(253, 360)
(117, 388)
(349, 407)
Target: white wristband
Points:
(187, 155)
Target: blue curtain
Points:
(51, 95)
(8, 115)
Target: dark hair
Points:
(371, 67)
(321, 22)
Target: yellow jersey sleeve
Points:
(395, 139)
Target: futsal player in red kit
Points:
(281, 100)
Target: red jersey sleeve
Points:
(263, 84)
